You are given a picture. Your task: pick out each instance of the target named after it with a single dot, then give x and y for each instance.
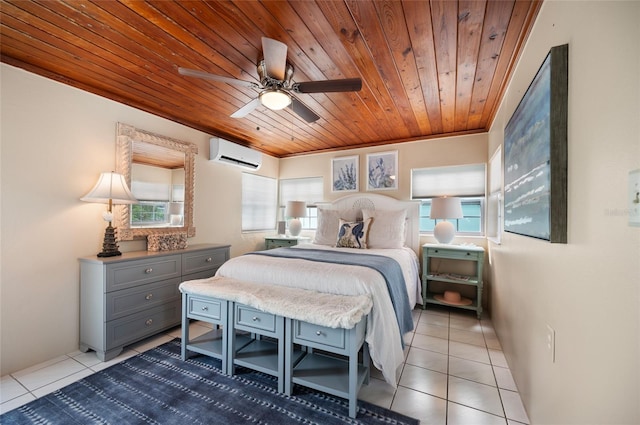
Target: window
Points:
(471, 224)
(309, 190)
(149, 213)
(152, 210)
(465, 181)
(259, 202)
(494, 201)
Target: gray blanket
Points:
(387, 267)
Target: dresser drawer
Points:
(305, 333)
(202, 261)
(140, 325)
(138, 272)
(250, 319)
(132, 300)
(453, 254)
(210, 310)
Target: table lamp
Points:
(111, 189)
(295, 210)
(443, 209)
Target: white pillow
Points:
(386, 229)
(328, 224)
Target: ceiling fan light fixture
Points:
(275, 99)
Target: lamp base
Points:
(295, 227)
(109, 246)
(444, 232)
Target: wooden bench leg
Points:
(288, 356)
(185, 329)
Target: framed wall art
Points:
(382, 171)
(535, 157)
(344, 174)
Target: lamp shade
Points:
(446, 207)
(296, 209)
(110, 187)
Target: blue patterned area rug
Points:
(157, 387)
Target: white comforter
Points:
(383, 335)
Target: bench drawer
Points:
(252, 320)
(305, 333)
(208, 309)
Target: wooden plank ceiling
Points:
(428, 68)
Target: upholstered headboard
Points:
(360, 201)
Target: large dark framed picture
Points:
(535, 157)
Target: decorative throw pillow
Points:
(328, 223)
(387, 228)
(353, 234)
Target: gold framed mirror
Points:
(160, 172)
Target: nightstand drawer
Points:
(250, 319)
(133, 300)
(138, 272)
(208, 309)
(284, 242)
(305, 333)
(201, 261)
(453, 254)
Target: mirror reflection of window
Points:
(161, 195)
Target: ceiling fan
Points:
(276, 87)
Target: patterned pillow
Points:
(353, 234)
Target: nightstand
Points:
(440, 265)
(271, 242)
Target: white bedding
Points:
(383, 335)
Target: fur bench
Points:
(329, 322)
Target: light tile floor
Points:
(455, 373)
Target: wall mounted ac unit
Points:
(224, 151)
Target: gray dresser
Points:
(128, 298)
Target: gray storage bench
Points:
(301, 326)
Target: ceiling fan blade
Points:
(246, 109)
(275, 57)
(200, 74)
(326, 86)
(301, 109)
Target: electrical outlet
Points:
(551, 343)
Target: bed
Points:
(379, 258)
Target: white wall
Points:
(588, 289)
(56, 140)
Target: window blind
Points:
(309, 190)
(259, 202)
(495, 171)
(460, 180)
(145, 191)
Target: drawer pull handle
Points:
(205, 308)
(148, 322)
(318, 333)
(255, 319)
(149, 270)
(148, 297)
(468, 253)
(209, 260)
